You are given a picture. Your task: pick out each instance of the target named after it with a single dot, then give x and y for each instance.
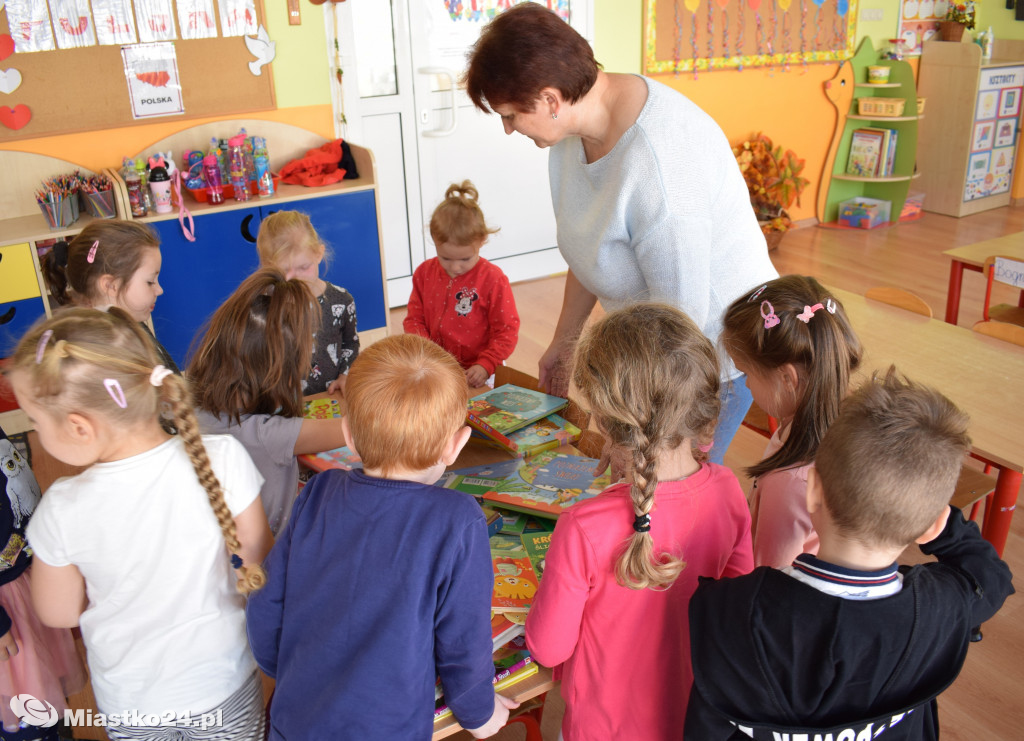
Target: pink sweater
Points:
(780, 523)
(624, 653)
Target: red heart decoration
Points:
(15, 118)
(6, 46)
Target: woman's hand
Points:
(555, 370)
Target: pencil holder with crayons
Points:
(58, 212)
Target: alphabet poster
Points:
(996, 115)
(153, 82)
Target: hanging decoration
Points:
(778, 37)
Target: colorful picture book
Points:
(504, 677)
(503, 410)
(342, 458)
(545, 434)
(518, 523)
(548, 484)
(515, 582)
(872, 152)
(536, 547)
(503, 630)
(477, 480)
(322, 409)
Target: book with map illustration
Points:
(548, 484)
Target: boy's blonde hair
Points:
(651, 379)
(406, 397)
(458, 219)
(71, 276)
(287, 233)
(72, 359)
(890, 461)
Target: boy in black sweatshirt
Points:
(842, 646)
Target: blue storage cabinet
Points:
(198, 276)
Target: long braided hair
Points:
(83, 359)
(651, 379)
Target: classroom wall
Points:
(789, 106)
(743, 103)
(301, 84)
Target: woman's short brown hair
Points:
(524, 50)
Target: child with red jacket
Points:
(459, 300)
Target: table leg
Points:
(1004, 502)
(956, 274)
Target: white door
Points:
(424, 139)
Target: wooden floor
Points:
(985, 702)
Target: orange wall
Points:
(95, 150)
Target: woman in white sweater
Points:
(648, 199)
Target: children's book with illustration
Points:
(342, 458)
(477, 480)
(504, 677)
(865, 152)
(536, 546)
(506, 543)
(549, 483)
(515, 582)
(322, 409)
(508, 408)
(518, 523)
(503, 630)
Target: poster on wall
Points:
(30, 26)
(115, 24)
(72, 23)
(197, 19)
(153, 82)
(919, 22)
(156, 20)
(996, 113)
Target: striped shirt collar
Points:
(846, 583)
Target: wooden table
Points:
(981, 375)
(528, 689)
(972, 257)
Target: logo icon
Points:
(33, 711)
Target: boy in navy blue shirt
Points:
(382, 581)
(843, 646)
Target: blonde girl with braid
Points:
(153, 547)
(611, 610)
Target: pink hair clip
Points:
(758, 292)
(808, 312)
(116, 392)
(771, 319)
(92, 252)
(41, 347)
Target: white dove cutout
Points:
(262, 48)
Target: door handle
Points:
(246, 234)
(445, 72)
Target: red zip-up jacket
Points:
(472, 316)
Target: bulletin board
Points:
(85, 89)
(705, 35)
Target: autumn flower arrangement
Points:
(773, 179)
(962, 13)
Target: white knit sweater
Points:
(665, 216)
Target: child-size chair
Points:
(900, 298)
(1003, 269)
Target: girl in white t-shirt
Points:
(138, 549)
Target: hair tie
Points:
(156, 378)
(808, 312)
(116, 392)
(41, 347)
(758, 292)
(771, 319)
(92, 252)
(642, 523)
(236, 561)
(60, 253)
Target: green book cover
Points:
(536, 546)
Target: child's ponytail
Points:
(175, 393)
(651, 379)
(458, 219)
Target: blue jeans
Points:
(736, 400)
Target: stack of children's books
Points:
(520, 421)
